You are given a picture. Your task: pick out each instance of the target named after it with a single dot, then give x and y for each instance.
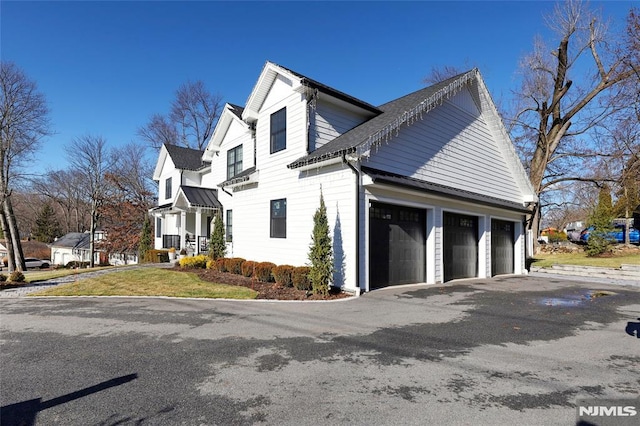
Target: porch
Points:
(186, 223)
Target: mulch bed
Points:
(269, 291)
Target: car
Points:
(616, 235)
(32, 262)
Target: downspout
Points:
(226, 192)
(357, 222)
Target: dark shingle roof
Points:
(237, 110)
(73, 240)
(379, 176)
(392, 114)
(331, 91)
(186, 158)
(201, 197)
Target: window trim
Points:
(273, 232)
(229, 226)
(237, 163)
(158, 227)
(278, 132)
(168, 184)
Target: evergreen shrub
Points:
(263, 271)
(282, 274)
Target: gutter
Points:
(357, 222)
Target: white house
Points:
(423, 189)
(75, 246)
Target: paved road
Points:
(517, 350)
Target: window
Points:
(279, 218)
(158, 227)
(167, 188)
(229, 225)
(234, 161)
(279, 130)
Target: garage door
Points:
(460, 257)
(502, 239)
(396, 245)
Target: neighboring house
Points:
(423, 189)
(3, 251)
(75, 246)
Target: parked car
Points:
(32, 262)
(616, 235)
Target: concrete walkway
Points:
(43, 285)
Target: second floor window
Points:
(167, 188)
(234, 161)
(278, 130)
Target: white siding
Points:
(453, 147)
(329, 122)
(168, 171)
(251, 204)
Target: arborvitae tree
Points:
(601, 218)
(218, 245)
(47, 226)
(145, 239)
(321, 252)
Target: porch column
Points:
(198, 229)
(183, 229)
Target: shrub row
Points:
(284, 275)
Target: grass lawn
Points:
(548, 260)
(149, 282)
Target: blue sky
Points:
(106, 67)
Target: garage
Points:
(396, 245)
(502, 247)
(460, 257)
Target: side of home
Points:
(423, 189)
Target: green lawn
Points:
(149, 282)
(548, 260)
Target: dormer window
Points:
(279, 130)
(167, 188)
(234, 161)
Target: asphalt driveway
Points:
(517, 350)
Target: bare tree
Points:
(191, 120)
(24, 121)
(65, 189)
(559, 107)
(88, 156)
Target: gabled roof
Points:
(186, 158)
(77, 240)
(230, 113)
(183, 159)
(268, 76)
(200, 197)
(393, 114)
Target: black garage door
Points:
(460, 246)
(502, 239)
(396, 245)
